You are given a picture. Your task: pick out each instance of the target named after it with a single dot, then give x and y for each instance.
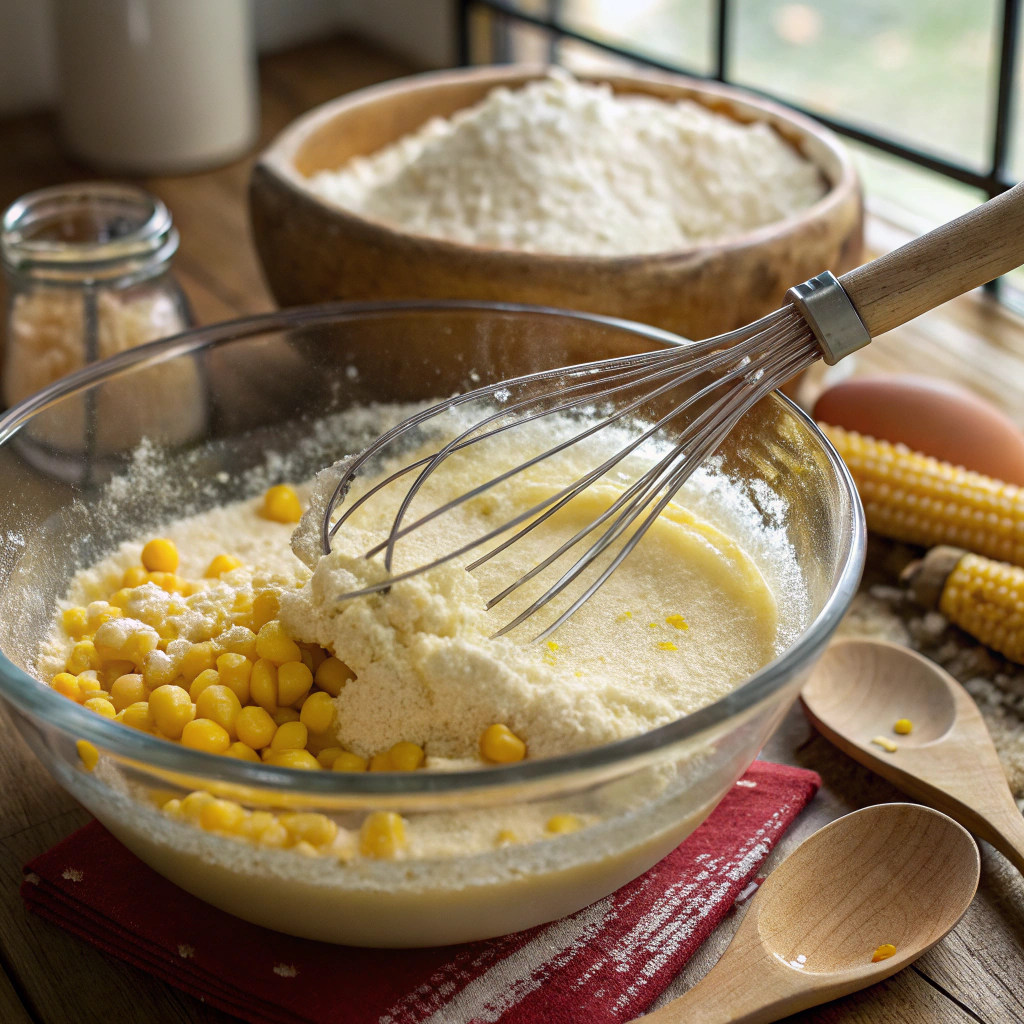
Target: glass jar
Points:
(89, 272)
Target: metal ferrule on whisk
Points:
(831, 315)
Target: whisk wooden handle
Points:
(940, 265)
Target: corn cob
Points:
(983, 597)
(918, 499)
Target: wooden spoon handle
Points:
(940, 265)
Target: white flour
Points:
(561, 166)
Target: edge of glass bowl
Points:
(34, 699)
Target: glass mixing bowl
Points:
(226, 410)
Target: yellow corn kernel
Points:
(886, 950)
(207, 678)
(274, 835)
(265, 606)
(290, 736)
(346, 761)
(202, 734)
(234, 671)
(505, 837)
(274, 644)
(677, 622)
(317, 656)
(307, 659)
(284, 716)
(222, 564)
(138, 645)
(500, 744)
(263, 685)
(317, 712)
(113, 670)
(134, 576)
(256, 824)
(139, 716)
(172, 709)
(94, 695)
(67, 685)
(294, 759)
(382, 835)
(563, 823)
(667, 645)
(918, 499)
(87, 754)
(986, 599)
(83, 656)
(158, 670)
(380, 763)
(121, 598)
(193, 804)
(242, 751)
(198, 658)
(160, 555)
(327, 755)
(281, 504)
(172, 808)
(315, 829)
(220, 705)
(98, 612)
(239, 640)
(126, 690)
(903, 727)
(332, 675)
(221, 816)
(306, 849)
(293, 682)
(406, 757)
(75, 623)
(885, 743)
(101, 706)
(255, 728)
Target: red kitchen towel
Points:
(606, 963)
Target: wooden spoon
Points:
(894, 873)
(861, 688)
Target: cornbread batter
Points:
(212, 632)
(685, 618)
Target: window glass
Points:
(919, 70)
(678, 32)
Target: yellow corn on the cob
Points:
(983, 597)
(986, 598)
(918, 499)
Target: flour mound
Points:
(561, 166)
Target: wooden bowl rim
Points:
(278, 160)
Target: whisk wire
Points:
(746, 365)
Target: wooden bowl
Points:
(314, 250)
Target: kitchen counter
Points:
(48, 977)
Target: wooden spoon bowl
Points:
(898, 874)
(861, 688)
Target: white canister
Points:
(157, 85)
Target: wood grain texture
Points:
(861, 687)
(977, 247)
(314, 250)
(897, 873)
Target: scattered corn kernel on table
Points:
(48, 977)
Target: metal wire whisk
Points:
(826, 318)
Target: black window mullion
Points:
(722, 48)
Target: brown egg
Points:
(928, 415)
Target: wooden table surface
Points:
(47, 977)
